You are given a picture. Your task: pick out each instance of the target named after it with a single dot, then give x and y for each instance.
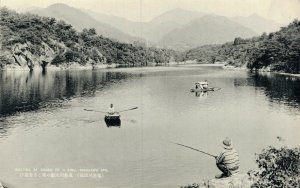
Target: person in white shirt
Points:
(111, 109)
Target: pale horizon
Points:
(145, 10)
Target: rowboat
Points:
(113, 119)
(202, 90)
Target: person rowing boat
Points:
(112, 118)
(111, 109)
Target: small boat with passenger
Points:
(203, 87)
(112, 119)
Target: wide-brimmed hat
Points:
(227, 144)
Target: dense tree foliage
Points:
(278, 168)
(277, 51)
(72, 46)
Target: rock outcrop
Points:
(23, 56)
(235, 181)
(28, 57)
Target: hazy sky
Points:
(144, 10)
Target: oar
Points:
(129, 109)
(216, 88)
(94, 111)
(195, 149)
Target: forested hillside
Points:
(277, 51)
(30, 41)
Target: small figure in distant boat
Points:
(204, 85)
(111, 109)
(228, 160)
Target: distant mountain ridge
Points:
(157, 30)
(258, 23)
(208, 29)
(166, 30)
(81, 20)
(153, 30)
(129, 27)
(178, 15)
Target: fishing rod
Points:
(195, 149)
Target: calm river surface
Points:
(43, 124)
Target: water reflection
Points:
(278, 88)
(113, 125)
(27, 91)
(3, 128)
(202, 94)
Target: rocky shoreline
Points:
(264, 70)
(69, 66)
(20, 57)
(235, 181)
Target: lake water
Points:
(43, 124)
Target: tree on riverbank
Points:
(278, 167)
(277, 51)
(31, 40)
